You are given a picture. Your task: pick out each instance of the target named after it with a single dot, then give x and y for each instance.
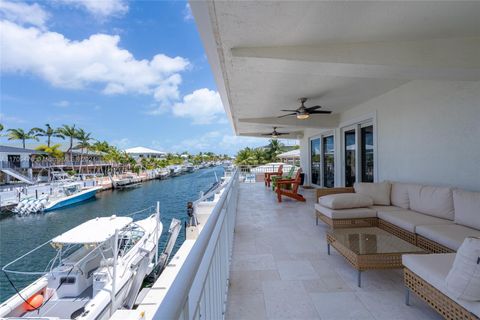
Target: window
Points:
(367, 153)
(315, 161)
(350, 157)
(328, 162)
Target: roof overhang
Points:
(266, 55)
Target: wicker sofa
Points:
(436, 219)
(425, 275)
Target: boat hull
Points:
(81, 196)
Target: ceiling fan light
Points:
(274, 136)
(303, 116)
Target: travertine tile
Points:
(280, 268)
(339, 305)
(287, 300)
(246, 306)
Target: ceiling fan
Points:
(303, 112)
(274, 134)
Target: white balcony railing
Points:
(199, 290)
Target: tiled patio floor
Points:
(281, 270)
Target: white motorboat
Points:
(98, 268)
(64, 195)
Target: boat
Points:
(99, 267)
(64, 195)
(189, 167)
(129, 186)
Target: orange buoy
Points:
(34, 302)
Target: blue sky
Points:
(132, 73)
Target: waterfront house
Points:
(402, 82)
(17, 163)
(143, 152)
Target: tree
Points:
(53, 151)
(19, 134)
(71, 133)
(49, 132)
(84, 139)
(273, 149)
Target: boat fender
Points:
(34, 302)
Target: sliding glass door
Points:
(359, 153)
(315, 161)
(328, 158)
(350, 157)
(367, 160)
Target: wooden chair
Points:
(269, 175)
(293, 191)
(289, 175)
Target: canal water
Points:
(18, 235)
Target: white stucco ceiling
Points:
(266, 55)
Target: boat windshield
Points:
(71, 189)
(129, 238)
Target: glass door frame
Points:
(329, 133)
(368, 121)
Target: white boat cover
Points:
(93, 231)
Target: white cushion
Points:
(345, 201)
(467, 208)
(385, 208)
(379, 192)
(463, 280)
(408, 220)
(448, 235)
(399, 195)
(346, 213)
(434, 269)
(435, 201)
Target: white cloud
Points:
(24, 14)
(204, 106)
(122, 144)
(10, 119)
(100, 8)
(62, 103)
(97, 60)
(187, 13)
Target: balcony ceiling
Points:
(266, 55)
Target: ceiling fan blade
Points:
(289, 110)
(282, 133)
(288, 114)
(313, 108)
(266, 134)
(320, 112)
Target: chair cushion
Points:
(434, 269)
(345, 201)
(379, 192)
(467, 208)
(408, 220)
(463, 280)
(448, 235)
(434, 201)
(346, 213)
(399, 195)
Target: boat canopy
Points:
(93, 231)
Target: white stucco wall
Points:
(427, 132)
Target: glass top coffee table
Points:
(369, 248)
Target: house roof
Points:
(8, 149)
(290, 154)
(143, 150)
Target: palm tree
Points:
(84, 139)
(273, 149)
(49, 132)
(53, 151)
(70, 132)
(19, 134)
(1, 128)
